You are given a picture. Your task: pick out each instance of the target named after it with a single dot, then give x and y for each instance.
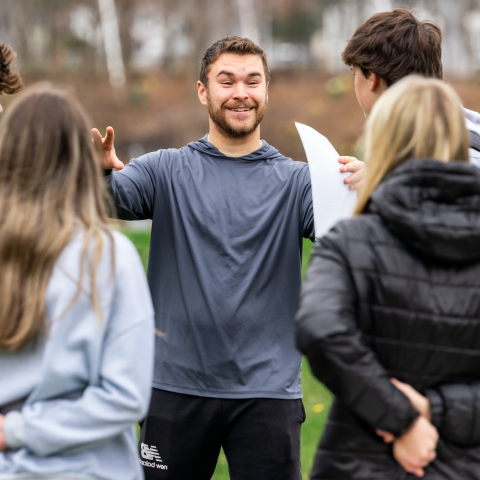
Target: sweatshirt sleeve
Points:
(456, 412)
(119, 392)
(104, 410)
(133, 188)
(328, 335)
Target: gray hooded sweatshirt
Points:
(225, 266)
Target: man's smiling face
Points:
(236, 95)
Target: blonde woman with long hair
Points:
(389, 316)
(76, 319)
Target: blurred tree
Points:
(248, 19)
(294, 21)
(111, 40)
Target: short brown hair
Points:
(395, 44)
(232, 44)
(10, 80)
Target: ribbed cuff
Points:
(409, 426)
(14, 430)
(399, 421)
(437, 407)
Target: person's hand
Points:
(105, 147)
(386, 436)
(420, 403)
(358, 169)
(3, 443)
(415, 449)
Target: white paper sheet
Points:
(332, 200)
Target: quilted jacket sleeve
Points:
(327, 334)
(456, 412)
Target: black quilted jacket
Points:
(396, 293)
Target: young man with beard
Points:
(229, 214)
(387, 47)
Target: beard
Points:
(240, 129)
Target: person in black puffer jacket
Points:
(394, 293)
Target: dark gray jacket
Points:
(224, 267)
(396, 293)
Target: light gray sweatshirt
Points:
(87, 381)
(472, 120)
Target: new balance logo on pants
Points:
(151, 453)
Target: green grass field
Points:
(317, 398)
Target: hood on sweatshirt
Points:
(433, 207)
(265, 152)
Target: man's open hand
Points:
(351, 164)
(105, 147)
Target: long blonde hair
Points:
(416, 118)
(50, 188)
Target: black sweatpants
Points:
(181, 437)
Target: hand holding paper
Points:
(357, 170)
(332, 199)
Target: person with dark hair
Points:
(392, 45)
(229, 214)
(10, 80)
(390, 309)
(387, 47)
